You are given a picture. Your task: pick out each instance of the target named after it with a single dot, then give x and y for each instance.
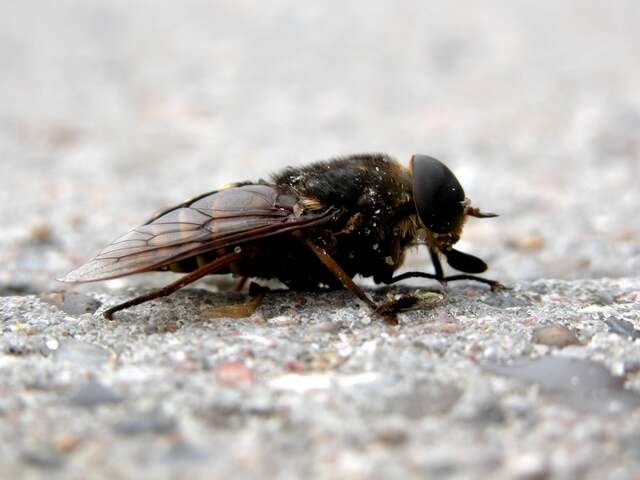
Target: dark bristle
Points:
(339, 181)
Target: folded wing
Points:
(218, 219)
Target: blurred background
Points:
(112, 109)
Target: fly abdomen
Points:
(184, 266)
(192, 263)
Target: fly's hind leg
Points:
(206, 269)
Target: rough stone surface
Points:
(112, 110)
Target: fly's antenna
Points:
(475, 212)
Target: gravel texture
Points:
(113, 109)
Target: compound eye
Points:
(437, 194)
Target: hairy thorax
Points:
(376, 220)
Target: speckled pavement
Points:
(113, 110)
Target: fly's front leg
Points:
(494, 284)
(437, 265)
(439, 276)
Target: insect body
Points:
(309, 227)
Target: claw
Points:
(409, 302)
(499, 287)
(404, 302)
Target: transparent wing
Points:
(214, 220)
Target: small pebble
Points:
(235, 374)
(531, 242)
(425, 398)
(555, 335)
(326, 327)
(73, 303)
(41, 234)
(142, 423)
(183, 452)
(92, 395)
(67, 443)
(602, 298)
(328, 360)
(582, 384)
(11, 289)
(52, 343)
(44, 456)
(79, 353)
(282, 321)
(529, 466)
(623, 328)
(393, 433)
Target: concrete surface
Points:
(111, 110)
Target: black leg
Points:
(439, 275)
(494, 284)
(177, 285)
(404, 276)
(436, 264)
